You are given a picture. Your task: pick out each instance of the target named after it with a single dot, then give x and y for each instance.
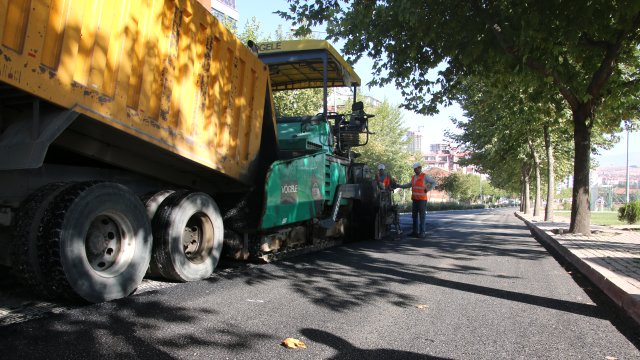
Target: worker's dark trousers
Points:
(419, 211)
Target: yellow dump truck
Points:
(101, 101)
(138, 137)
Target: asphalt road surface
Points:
(479, 287)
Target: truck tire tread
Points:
(27, 249)
(167, 259)
(58, 280)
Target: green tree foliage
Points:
(586, 51)
(565, 193)
(251, 31)
(466, 188)
(287, 103)
(506, 121)
(388, 144)
(630, 212)
(298, 102)
(492, 194)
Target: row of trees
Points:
(471, 188)
(510, 131)
(554, 70)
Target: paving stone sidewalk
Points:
(609, 257)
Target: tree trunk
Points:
(527, 194)
(537, 205)
(580, 212)
(522, 190)
(548, 213)
(526, 177)
(536, 167)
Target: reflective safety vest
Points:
(385, 180)
(418, 188)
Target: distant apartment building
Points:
(446, 157)
(415, 140)
(617, 175)
(435, 148)
(224, 10)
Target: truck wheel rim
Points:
(197, 238)
(109, 243)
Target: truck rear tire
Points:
(188, 234)
(26, 252)
(152, 202)
(99, 240)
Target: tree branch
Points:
(631, 83)
(534, 64)
(605, 70)
(600, 44)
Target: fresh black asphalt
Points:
(478, 287)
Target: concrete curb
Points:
(602, 278)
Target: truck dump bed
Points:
(163, 71)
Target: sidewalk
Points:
(609, 257)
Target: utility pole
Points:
(627, 126)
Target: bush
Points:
(630, 212)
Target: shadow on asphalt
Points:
(343, 278)
(610, 310)
(137, 322)
(339, 279)
(346, 350)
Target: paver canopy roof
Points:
(298, 64)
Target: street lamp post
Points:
(627, 126)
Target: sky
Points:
(436, 125)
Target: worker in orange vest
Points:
(383, 179)
(420, 185)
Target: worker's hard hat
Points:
(417, 165)
(381, 167)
